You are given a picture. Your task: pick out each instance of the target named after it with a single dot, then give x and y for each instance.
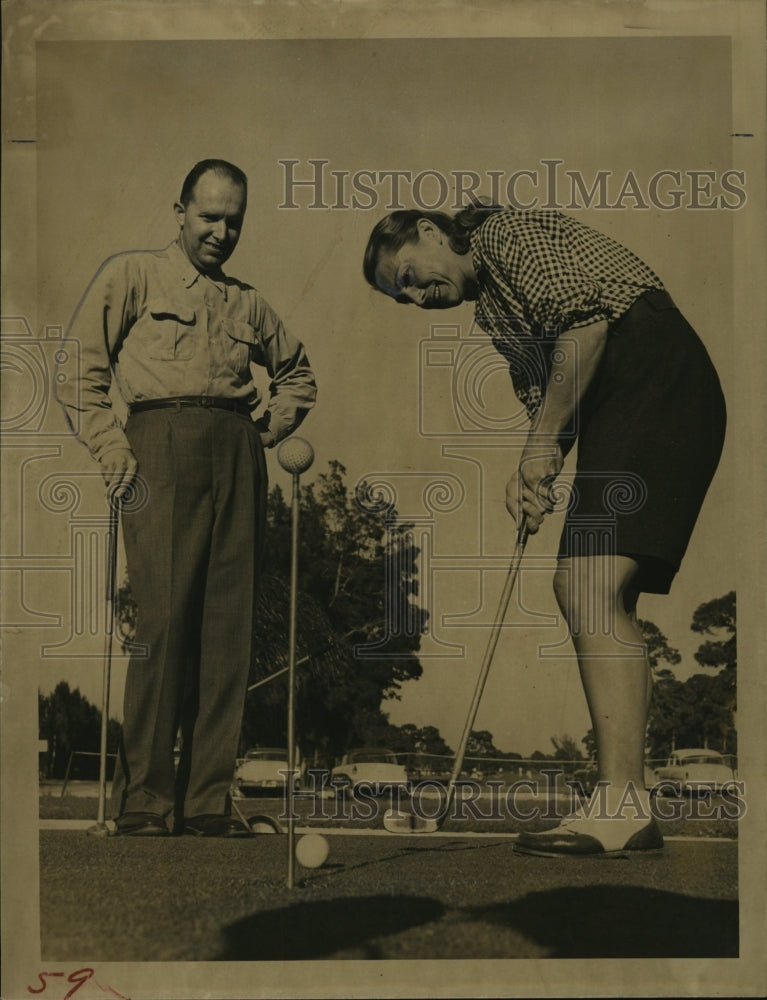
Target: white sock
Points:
(612, 815)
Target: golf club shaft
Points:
(290, 785)
(511, 579)
(111, 583)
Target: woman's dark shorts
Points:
(650, 432)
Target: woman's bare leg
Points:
(598, 602)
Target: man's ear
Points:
(180, 212)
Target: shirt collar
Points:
(476, 255)
(189, 273)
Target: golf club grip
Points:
(508, 589)
(111, 580)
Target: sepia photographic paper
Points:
(643, 121)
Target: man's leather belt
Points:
(176, 402)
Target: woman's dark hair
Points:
(401, 227)
(221, 167)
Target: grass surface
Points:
(378, 897)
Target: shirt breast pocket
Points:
(169, 332)
(240, 342)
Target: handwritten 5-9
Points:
(75, 979)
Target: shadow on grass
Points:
(318, 929)
(590, 922)
(620, 922)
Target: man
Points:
(179, 336)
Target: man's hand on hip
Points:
(118, 467)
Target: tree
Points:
(694, 713)
(429, 740)
(722, 726)
(360, 564)
(400, 739)
(704, 717)
(699, 711)
(323, 661)
(718, 617)
(358, 572)
(481, 744)
(566, 748)
(657, 647)
(663, 719)
(69, 722)
(712, 617)
(412, 739)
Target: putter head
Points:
(100, 830)
(264, 824)
(407, 822)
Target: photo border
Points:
(28, 23)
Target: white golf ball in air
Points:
(312, 850)
(295, 455)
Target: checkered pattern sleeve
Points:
(559, 273)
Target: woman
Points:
(599, 353)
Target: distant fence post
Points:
(66, 773)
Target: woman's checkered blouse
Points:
(542, 273)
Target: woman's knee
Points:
(593, 590)
(563, 590)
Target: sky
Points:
(401, 403)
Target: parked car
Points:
(371, 767)
(694, 770)
(261, 769)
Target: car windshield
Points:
(267, 755)
(373, 757)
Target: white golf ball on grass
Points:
(312, 850)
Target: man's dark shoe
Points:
(214, 825)
(141, 824)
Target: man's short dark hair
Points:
(221, 167)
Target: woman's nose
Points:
(415, 294)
